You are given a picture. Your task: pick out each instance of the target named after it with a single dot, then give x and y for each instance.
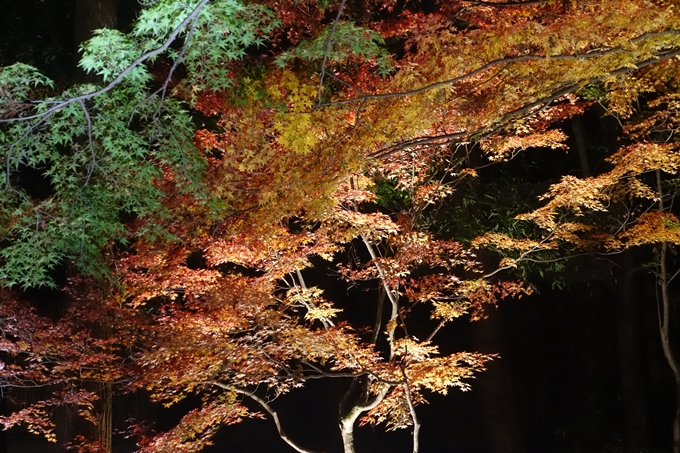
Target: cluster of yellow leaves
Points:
(650, 228)
(663, 120)
(577, 195)
(583, 198)
(504, 148)
(315, 306)
(474, 81)
(36, 418)
(504, 242)
(294, 123)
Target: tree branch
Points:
(445, 139)
(269, 409)
(394, 299)
(505, 4)
(152, 53)
(507, 60)
(412, 410)
(328, 48)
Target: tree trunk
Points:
(630, 362)
(499, 410)
(577, 127)
(102, 433)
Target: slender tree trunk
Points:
(500, 414)
(93, 15)
(104, 429)
(577, 127)
(358, 391)
(633, 398)
(664, 324)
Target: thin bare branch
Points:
(412, 410)
(141, 59)
(267, 408)
(328, 48)
(392, 296)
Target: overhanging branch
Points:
(150, 54)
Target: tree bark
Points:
(633, 396)
(499, 409)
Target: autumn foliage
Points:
(335, 135)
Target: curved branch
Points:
(457, 137)
(507, 60)
(267, 408)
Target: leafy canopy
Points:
(290, 138)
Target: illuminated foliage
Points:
(282, 145)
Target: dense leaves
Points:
(293, 137)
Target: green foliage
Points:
(389, 196)
(98, 159)
(593, 92)
(221, 33)
(16, 82)
(482, 209)
(104, 155)
(226, 29)
(99, 58)
(349, 41)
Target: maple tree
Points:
(629, 206)
(309, 136)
